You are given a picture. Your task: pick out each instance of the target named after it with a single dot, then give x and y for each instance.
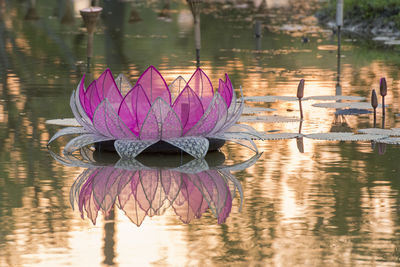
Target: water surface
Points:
(336, 204)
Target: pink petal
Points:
(161, 122)
(92, 99)
(82, 96)
(225, 92)
(176, 87)
(108, 123)
(107, 88)
(213, 116)
(216, 192)
(229, 86)
(201, 85)
(128, 202)
(154, 85)
(134, 108)
(189, 108)
(189, 203)
(152, 128)
(148, 190)
(171, 182)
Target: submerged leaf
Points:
(352, 111)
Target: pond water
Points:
(305, 202)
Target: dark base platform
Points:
(160, 146)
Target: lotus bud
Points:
(374, 99)
(300, 89)
(374, 104)
(383, 87)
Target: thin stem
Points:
(301, 109)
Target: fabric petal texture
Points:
(108, 123)
(131, 148)
(134, 108)
(189, 108)
(201, 85)
(176, 87)
(195, 146)
(154, 85)
(183, 114)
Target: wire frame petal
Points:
(193, 145)
(171, 126)
(79, 114)
(176, 87)
(225, 89)
(189, 108)
(67, 131)
(216, 112)
(108, 123)
(150, 194)
(154, 85)
(82, 93)
(84, 140)
(189, 203)
(153, 125)
(216, 192)
(234, 113)
(134, 109)
(127, 200)
(92, 99)
(123, 84)
(107, 88)
(131, 148)
(201, 85)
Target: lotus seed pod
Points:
(90, 16)
(383, 87)
(374, 99)
(300, 89)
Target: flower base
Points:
(160, 146)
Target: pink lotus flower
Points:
(149, 111)
(182, 114)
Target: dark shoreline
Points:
(376, 29)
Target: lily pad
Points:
(280, 136)
(387, 132)
(336, 97)
(72, 122)
(390, 141)
(270, 98)
(268, 119)
(255, 110)
(344, 136)
(354, 105)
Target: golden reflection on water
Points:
(335, 204)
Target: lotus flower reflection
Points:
(141, 193)
(181, 114)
